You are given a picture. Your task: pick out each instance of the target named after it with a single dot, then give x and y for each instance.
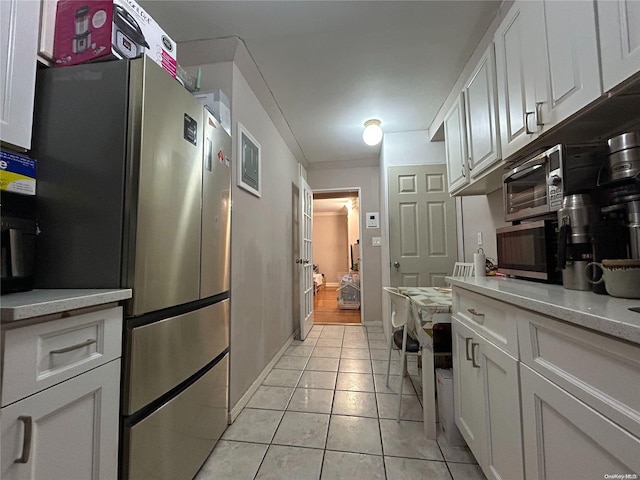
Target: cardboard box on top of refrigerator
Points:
(91, 30)
(17, 173)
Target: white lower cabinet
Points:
(487, 402)
(565, 438)
(68, 431)
(542, 399)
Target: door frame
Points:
(360, 230)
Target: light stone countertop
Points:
(601, 313)
(36, 303)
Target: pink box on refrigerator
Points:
(92, 30)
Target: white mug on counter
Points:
(621, 277)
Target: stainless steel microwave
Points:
(530, 250)
(537, 186)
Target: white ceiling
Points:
(331, 65)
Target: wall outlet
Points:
(376, 241)
(479, 238)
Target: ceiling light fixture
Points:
(372, 134)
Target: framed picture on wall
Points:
(249, 162)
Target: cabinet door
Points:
(567, 68)
(18, 45)
(565, 438)
(619, 29)
(455, 146)
(503, 456)
(483, 144)
(47, 29)
(514, 77)
(74, 429)
(468, 395)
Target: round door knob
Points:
(396, 264)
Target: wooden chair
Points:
(461, 269)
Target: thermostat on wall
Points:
(372, 220)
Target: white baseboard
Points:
(238, 407)
(332, 284)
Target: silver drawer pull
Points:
(467, 341)
(26, 441)
(472, 311)
(73, 347)
(473, 355)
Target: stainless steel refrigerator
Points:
(134, 192)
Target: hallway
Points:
(326, 310)
(324, 412)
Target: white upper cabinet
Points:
(455, 146)
(619, 28)
(19, 44)
(483, 144)
(515, 77)
(567, 67)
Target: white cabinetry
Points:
(567, 67)
(619, 29)
(60, 396)
(66, 431)
(580, 401)
(455, 146)
(546, 66)
(515, 79)
(486, 385)
(483, 143)
(19, 44)
(539, 398)
(565, 438)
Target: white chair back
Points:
(400, 308)
(462, 269)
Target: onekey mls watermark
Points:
(621, 476)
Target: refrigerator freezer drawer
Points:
(166, 353)
(174, 441)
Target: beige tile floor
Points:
(325, 412)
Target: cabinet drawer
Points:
(601, 371)
(493, 319)
(41, 355)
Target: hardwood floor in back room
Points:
(326, 310)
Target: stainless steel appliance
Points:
(622, 178)
(18, 242)
(624, 156)
(537, 186)
(575, 251)
(530, 250)
(134, 192)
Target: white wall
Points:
(368, 180)
(482, 213)
(262, 248)
(331, 245)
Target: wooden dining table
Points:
(431, 305)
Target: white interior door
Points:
(422, 226)
(305, 262)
